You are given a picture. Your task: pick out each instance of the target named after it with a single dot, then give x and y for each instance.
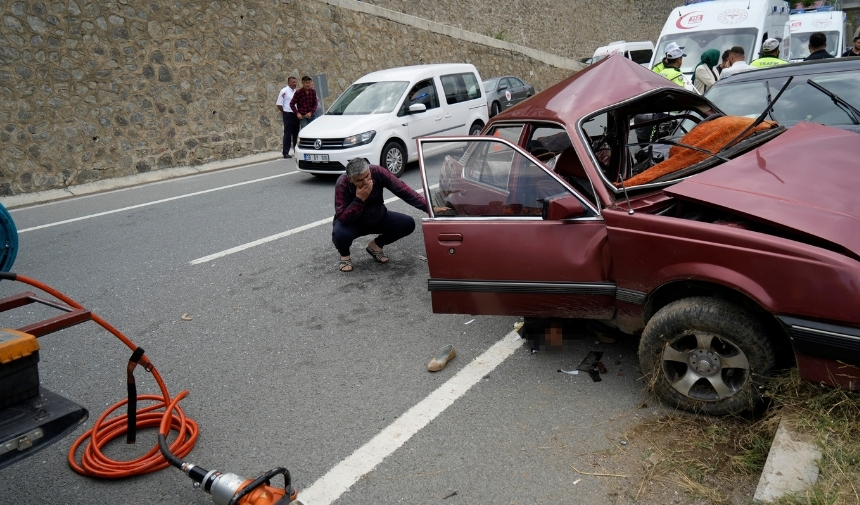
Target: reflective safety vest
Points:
(674, 75)
(658, 68)
(767, 62)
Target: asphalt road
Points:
(292, 363)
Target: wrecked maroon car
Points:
(733, 257)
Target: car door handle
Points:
(438, 118)
(451, 237)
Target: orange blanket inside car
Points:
(712, 136)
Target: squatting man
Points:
(359, 210)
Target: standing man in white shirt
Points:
(737, 60)
(291, 124)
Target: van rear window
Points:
(460, 87)
(641, 56)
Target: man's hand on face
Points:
(364, 189)
(363, 184)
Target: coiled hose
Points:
(94, 463)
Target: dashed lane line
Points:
(154, 202)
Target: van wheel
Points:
(706, 355)
(393, 158)
(476, 128)
(495, 109)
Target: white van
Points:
(825, 19)
(639, 52)
(722, 24)
(379, 117)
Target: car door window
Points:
(511, 133)
(516, 83)
(460, 87)
(487, 178)
(423, 92)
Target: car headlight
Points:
(357, 140)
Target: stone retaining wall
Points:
(570, 28)
(92, 90)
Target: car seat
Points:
(569, 167)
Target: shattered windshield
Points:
(634, 145)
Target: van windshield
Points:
(800, 44)
(697, 42)
(369, 98)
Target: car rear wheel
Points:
(495, 109)
(475, 128)
(393, 158)
(706, 355)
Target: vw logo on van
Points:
(317, 143)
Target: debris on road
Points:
(445, 355)
(186, 317)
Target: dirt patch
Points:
(680, 458)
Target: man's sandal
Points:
(345, 265)
(378, 256)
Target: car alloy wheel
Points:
(706, 355)
(495, 109)
(393, 158)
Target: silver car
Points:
(505, 92)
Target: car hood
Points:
(329, 126)
(805, 180)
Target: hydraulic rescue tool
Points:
(33, 417)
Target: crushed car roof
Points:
(605, 83)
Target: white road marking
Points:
(270, 238)
(339, 479)
(155, 202)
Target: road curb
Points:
(791, 466)
(25, 199)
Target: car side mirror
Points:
(503, 87)
(417, 107)
(565, 206)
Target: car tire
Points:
(706, 355)
(495, 109)
(475, 129)
(393, 158)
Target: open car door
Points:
(516, 240)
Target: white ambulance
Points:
(822, 18)
(640, 52)
(722, 24)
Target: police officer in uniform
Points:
(672, 71)
(769, 55)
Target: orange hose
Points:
(93, 462)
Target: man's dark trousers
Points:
(393, 227)
(291, 131)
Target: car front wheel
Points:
(495, 109)
(475, 129)
(706, 355)
(393, 158)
